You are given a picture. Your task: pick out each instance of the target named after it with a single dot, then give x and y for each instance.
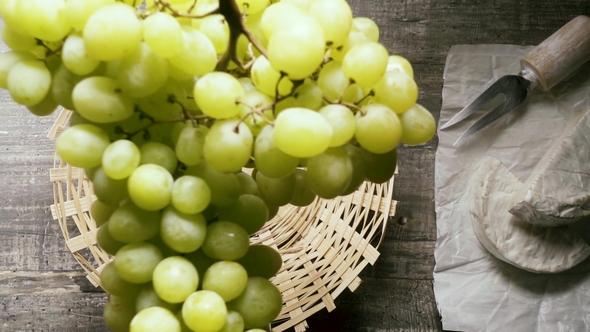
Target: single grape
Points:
(190, 144)
(226, 241)
(358, 169)
(269, 159)
(148, 298)
(110, 191)
(190, 194)
(100, 211)
(120, 159)
(182, 232)
(226, 278)
(399, 63)
(335, 17)
(118, 313)
(329, 173)
(130, 224)
(82, 145)
(106, 241)
(378, 128)
(218, 95)
(279, 15)
(342, 121)
(163, 34)
(228, 146)
(366, 26)
(101, 100)
(28, 82)
(217, 30)
(303, 195)
(301, 132)
(354, 38)
(261, 261)
(78, 12)
(113, 284)
(8, 60)
(11, 17)
(175, 278)
(233, 323)
(204, 311)
(308, 95)
(159, 154)
(418, 125)
(75, 58)
(197, 56)
(17, 41)
(135, 262)
(249, 211)
(276, 191)
(247, 184)
(379, 168)
(365, 63)
(268, 80)
(142, 72)
(336, 86)
(154, 319)
(150, 187)
(397, 91)
(259, 304)
(44, 19)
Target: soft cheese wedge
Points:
(527, 246)
(558, 190)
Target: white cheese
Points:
(558, 190)
(527, 246)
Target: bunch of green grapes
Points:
(195, 121)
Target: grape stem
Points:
(344, 103)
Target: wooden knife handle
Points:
(560, 54)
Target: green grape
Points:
(17, 41)
(62, 86)
(75, 58)
(131, 224)
(301, 132)
(8, 11)
(135, 262)
(225, 188)
(247, 184)
(120, 159)
(159, 154)
(342, 121)
(228, 146)
(418, 125)
(8, 60)
(379, 167)
(204, 311)
(183, 327)
(279, 15)
(82, 145)
(329, 173)
(226, 278)
(378, 128)
(399, 63)
(175, 278)
(45, 107)
(365, 63)
(233, 323)
(113, 284)
(163, 104)
(148, 298)
(142, 72)
(154, 319)
(217, 94)
(255, 101)
(397, 91)
(112, 32)
(302, 194)
(308, 95)
(78, 12)
(19, 80)
(190, 143)
(252, 6)
(254, 24)
(118, 313)
(197, 56)
(272, 210)
(43, 19)
(276, 191)
(99, 99)
(335, 86)
(358, 169)
(100, 211)
(297, 49)
(163, 34)
(366, 26)
(302, 4)
(268, 159)
(225, 241)
(268, 80)
(335, 17)
(261, 261)
(182, 232)
(106, 241)
(110, 191)
(190, 194)
(247, 84)
(249, 211)
(150, 187)
(217, 30)
(259, 304)
(178, 73)
(354, 38)
(201, 262)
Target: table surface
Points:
(42, 288)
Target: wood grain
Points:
(43, 289)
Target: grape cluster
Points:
(195, 121)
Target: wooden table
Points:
(42, 288)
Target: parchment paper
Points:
(474, 290)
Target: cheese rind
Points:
(522, 244)
(558, 190)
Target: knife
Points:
(543, 67)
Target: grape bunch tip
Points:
(195, 121)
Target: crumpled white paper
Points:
(474, 290)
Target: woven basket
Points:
(324, 246)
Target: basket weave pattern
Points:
(324, 246)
